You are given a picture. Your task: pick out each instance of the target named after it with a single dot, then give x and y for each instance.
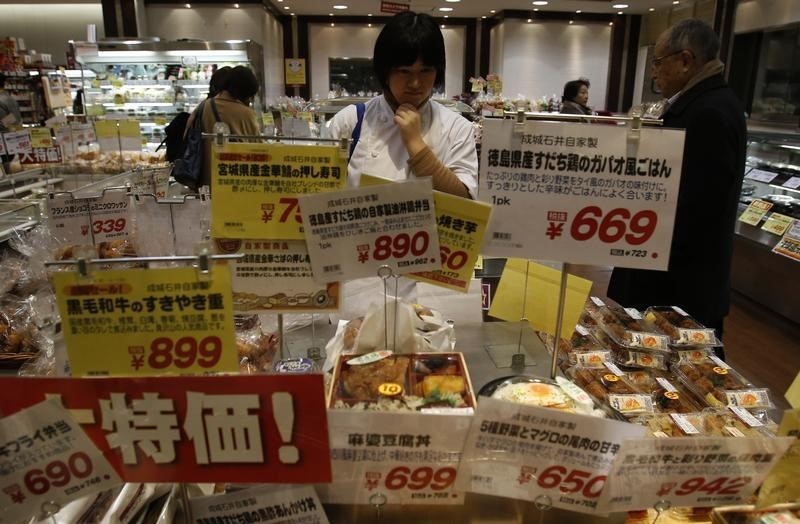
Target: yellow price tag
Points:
(256, 187)
(755, 212)
(267, 119)
(161, 121)
(129, 128)
(117, 82)
(147, 321)
(776, 223)
(96, 83)
(105, 128)
(40, 137)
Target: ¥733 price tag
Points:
(144, 322)
(47, 461)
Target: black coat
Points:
(698, 279)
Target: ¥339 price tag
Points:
(47, 461)
(256, 187)
(146, 322)
(697, 471)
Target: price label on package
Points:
(394, 458)
(48, 461)
(353, 233)
(575, 192)
(697, 471)
(290, 505)
(525, 452)
(18, 142)
(257, 186)
(147, 321)
(69, 218)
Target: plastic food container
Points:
(669, 395)
(610, 387)
(627, 327)
(719, 385)
(681, 328)
(637, 358)
(665, 425)
(559, 394)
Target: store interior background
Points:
(533, 58)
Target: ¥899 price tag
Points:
(48, 461)
(145, 322)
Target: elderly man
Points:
(690, 76)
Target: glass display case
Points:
(152, 81)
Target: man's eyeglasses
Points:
(656, 60)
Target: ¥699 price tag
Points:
(145, 322)
(48, 461)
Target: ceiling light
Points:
(330, 14)
(188, 6)
(676, 2)
(445, 9)
(611, 23)
(236, 6)
(652, 9)
(539, 2)
(578, 12)
(370, 14)
(619, 6)
(340, 7)
(484, 16)
(442, 26)
(535, 9)
(294, 14)
(332, 24)
(369, 25)
(493, 11)
(286, 7)
(619, 12)
(452, 1)
(530, 20)
(571, 22)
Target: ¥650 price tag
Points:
(48, 461)
(145, 322)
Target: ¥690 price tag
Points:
(145, 322)
(48, 461)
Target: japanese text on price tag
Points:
(256, 187)
(288, 505)
(523, 452)
(47, 459)
(144, 322)
(352, 233)
(697, 471)
(574, 192)
(397, 458)
(254, 428)
(18, 142)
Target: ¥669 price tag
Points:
(145, 322)
(48, 461)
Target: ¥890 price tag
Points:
(48, 461)
(145, 322)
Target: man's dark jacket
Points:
(698, 279)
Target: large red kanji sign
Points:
(195, 429)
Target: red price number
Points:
(436, 479)
(292, 206)
(400, 245)
(108, 226)
(58, 473)
(720, 486)
(184, 352)
(575, 481)
(614, 226)
(452, 260)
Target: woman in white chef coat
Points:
(403, 133)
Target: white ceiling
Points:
(466, 8)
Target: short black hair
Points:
(572, 88)
(219, 80)
(409, 36)
(242, 84)
(696, 36)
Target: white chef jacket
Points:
(381, 152)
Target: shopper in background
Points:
(218, 80)
(403, 133)
(698, 280)
(10, 119)
(575, 98)
(231, 105)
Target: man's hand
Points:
(409, 121)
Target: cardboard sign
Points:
(47, 459)
(258, 428)
(580, 193)
(147, 321)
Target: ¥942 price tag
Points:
(47, 461)
(697, 471)
(351, 234)
(145, 322)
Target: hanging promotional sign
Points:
(351, 234)
(275, 276)
(147, 321)
(256, 187)
(256, 428)
(525, 452)
(581, 193)
(47, 461)
(394, 458)
(95, 220)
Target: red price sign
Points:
(615, 225)
(183, 353)
(289, 207)
(58, 473)
(421, 478)
(713, 486)
(401, 245)
(572, 481)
